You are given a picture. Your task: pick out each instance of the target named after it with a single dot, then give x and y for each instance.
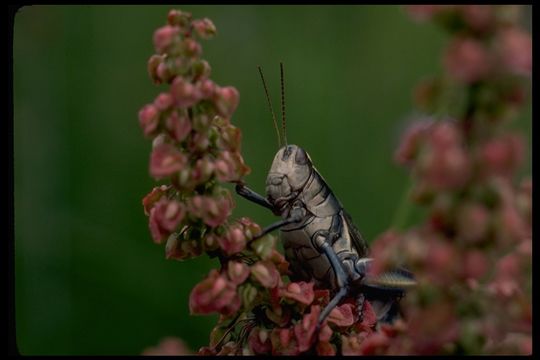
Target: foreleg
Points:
(252, 196)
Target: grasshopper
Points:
(321, 242)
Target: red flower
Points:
(279, 260)
(184, 93)
(475, 264)
(305, 329)
(351, 344)
(206, 88)
(214, 294)
(515, 50)
(369, 318)
(163, 101)
(164, 37)
(411, 142)
(259, 341)
(283, 342)
(478, 17)
(203, 170)
(472, 222)
(149, 119)
(226, 100)
(213, 211)
(178, 126)
(152, 197)
(230, 138)
(342, 315)
(424, 12)
(502, 155)
(153, 63)
(375, 344)
(205, 28)
(166, 160)
(233, 241)
(168, 346)
(444, 163)
(230, 166)
(301, 292)
(467, 60)
(325, 349)
(238, 272)
(179, 18)
(164, 218)
(266, 273)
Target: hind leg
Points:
(320, 239)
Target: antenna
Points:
(283, 124)
(270, 105)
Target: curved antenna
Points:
(283, 124)
(270, 105)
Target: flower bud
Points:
(164, 38)
(178, 126)
(163, 101)
(206, 88)
(151, 198)
(163, 73)
(466, 60)
(301, 292)
(201, 70)
(205, 28)
(164, 218)
(191, 48)
(515, 50)
(184, 93)
(153, 63)
(149, 119)
(237, 271)
(166, 160)
(226, 100)
(179, 18)
(472, 222)
(265, 272)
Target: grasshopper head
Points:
(289, 173)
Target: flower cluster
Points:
(194, 143)
(472, 253)
(195, 150)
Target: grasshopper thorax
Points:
(288, 174)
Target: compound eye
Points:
(301, 157)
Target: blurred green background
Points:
(89, 279)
